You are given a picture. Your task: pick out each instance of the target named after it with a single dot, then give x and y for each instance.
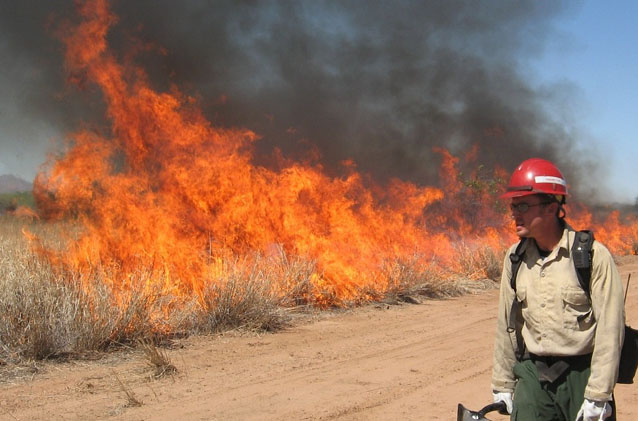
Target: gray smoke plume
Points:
(378, 82)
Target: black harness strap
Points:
(582, 255)
(516, 259)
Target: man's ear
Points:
(552, 208)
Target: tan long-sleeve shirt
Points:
(557, 318)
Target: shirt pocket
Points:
(521, 296)
(577, 313)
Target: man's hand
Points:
(594, 411)
(505, 397)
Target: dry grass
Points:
(479, 262)
(409, 278)
(243, 298)
(291, 276)
(46, 315)
(157, 359)
(412, 280)
(131, 399)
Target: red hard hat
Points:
(536, 176)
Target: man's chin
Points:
(522, 231)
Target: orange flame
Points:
(163, 189)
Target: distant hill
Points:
(12, 184)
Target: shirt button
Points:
(543, 305)
(542, 274)
(544, 335)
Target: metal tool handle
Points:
(496, 406)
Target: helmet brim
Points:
(518, 193)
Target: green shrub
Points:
(11, 201)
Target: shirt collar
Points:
(564, 244)
(567, 238)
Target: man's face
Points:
(529, 214)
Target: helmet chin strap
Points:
(560, 198)
(561, 213)
(561, 210)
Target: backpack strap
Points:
(516, 258)
(582, 255)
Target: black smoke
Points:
(378, 82)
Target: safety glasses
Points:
(524, 207)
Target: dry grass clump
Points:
(409, 280)
(290, 277)
(256, 292)
(37, 311)
(46, 315)
(244, 296)
(479, 262)
(132, 401)
(157, 359)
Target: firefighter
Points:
(556, 357)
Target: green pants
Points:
(543, 401)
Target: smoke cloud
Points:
(378, 82)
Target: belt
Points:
(551, 367)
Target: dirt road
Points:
(379, 362)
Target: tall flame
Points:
(163, 189)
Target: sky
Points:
(380, 85)
(597, 53)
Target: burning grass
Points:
(47, 313)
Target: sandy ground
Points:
(379, 362)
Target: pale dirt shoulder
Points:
(377, 362)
